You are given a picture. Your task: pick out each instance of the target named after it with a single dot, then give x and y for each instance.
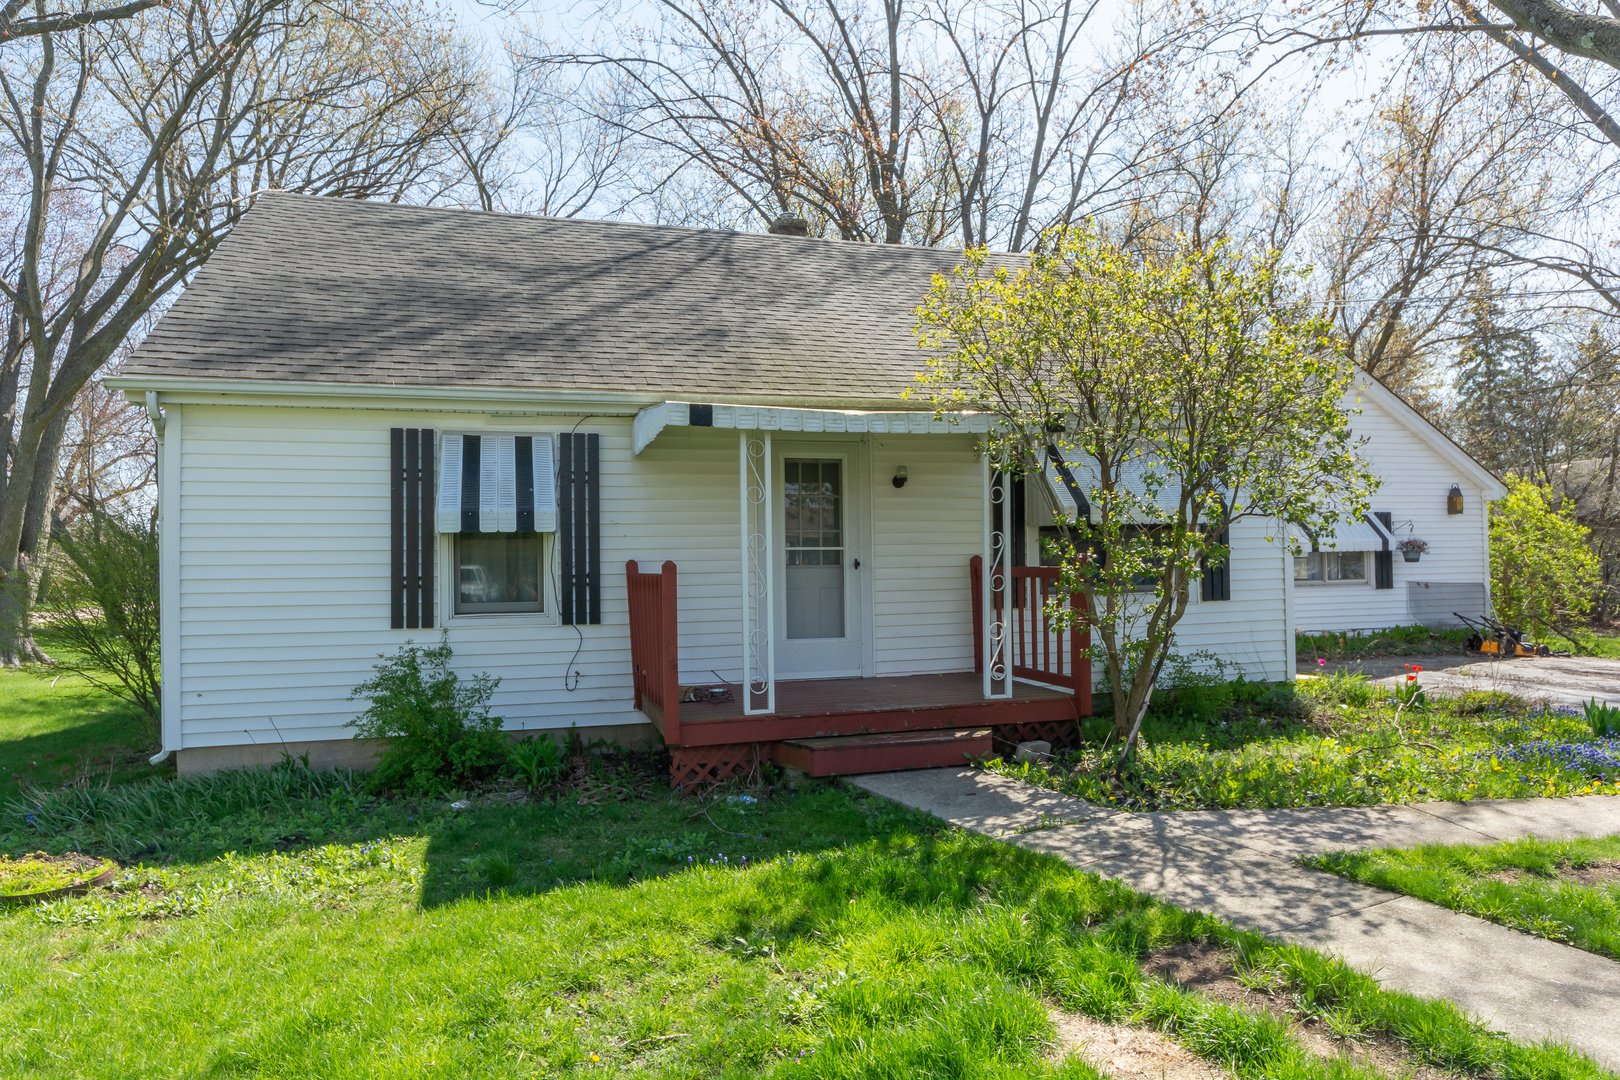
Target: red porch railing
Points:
(1038, 651)
(654, 647)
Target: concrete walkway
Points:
(1239, 865)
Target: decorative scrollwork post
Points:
(997, 597)
(758, 650)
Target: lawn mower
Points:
(1503, 642)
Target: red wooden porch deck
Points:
(711, 741)
(813, 708)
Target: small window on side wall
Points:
(1331, 566)
(498, 573)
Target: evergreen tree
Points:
(1502, 381)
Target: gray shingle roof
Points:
(336, 291)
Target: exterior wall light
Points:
(1454, 500)
(900, 476)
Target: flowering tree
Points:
(1185, 390)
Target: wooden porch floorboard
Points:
(807, 708)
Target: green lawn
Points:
(811, 933)
(53, 729)
(1531, 885)
(1348, 743)
(1422, 641)
(1395, 641)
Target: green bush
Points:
(101, 600)
(1282, 700)
(442, 736)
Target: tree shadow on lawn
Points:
(102, 741)
(528, 848)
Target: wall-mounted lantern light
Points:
(900, 476)
(1454, 502)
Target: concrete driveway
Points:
(1561, 680)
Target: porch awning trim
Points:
(652, 420)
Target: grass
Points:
(1394, 641)
(1530, 885)
(1604, 644)
(1423, 641)
(809, 933)
(54, 729)
(1353, 745)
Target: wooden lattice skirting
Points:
(1062, 734)
(692, 768)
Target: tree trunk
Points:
(16, 601)
(29, 498)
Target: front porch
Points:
(836, 726)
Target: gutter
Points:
(513, 401)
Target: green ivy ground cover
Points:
(1353, 747)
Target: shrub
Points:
(101, 597)
(538, 761)
(1543, 570)
(441, 733)
(1281, 700)
(1201, 692)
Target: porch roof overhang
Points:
(652, 420)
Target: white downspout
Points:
(157, 426)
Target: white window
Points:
(499, 573)
(1331, 566)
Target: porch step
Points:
(843, 755)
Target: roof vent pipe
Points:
(790, 225)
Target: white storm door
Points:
(821, 612)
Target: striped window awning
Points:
(1363, 534)
(1074, 485)
(497, 483)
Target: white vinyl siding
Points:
(1416, 479)
(923, 535)
(281, 604)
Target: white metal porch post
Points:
(997, 669)
(754, 474)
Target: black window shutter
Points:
(579, 527)
(411, 528)
(1216, 582)
(396, 529)
(1384, 561)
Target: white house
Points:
(1433, 492)
(662, 482)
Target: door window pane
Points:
(498, 572)
(813, 535)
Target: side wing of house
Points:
(1343, 587)
(1240, 617)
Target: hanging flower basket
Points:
(39, 877)
(1412, 548)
